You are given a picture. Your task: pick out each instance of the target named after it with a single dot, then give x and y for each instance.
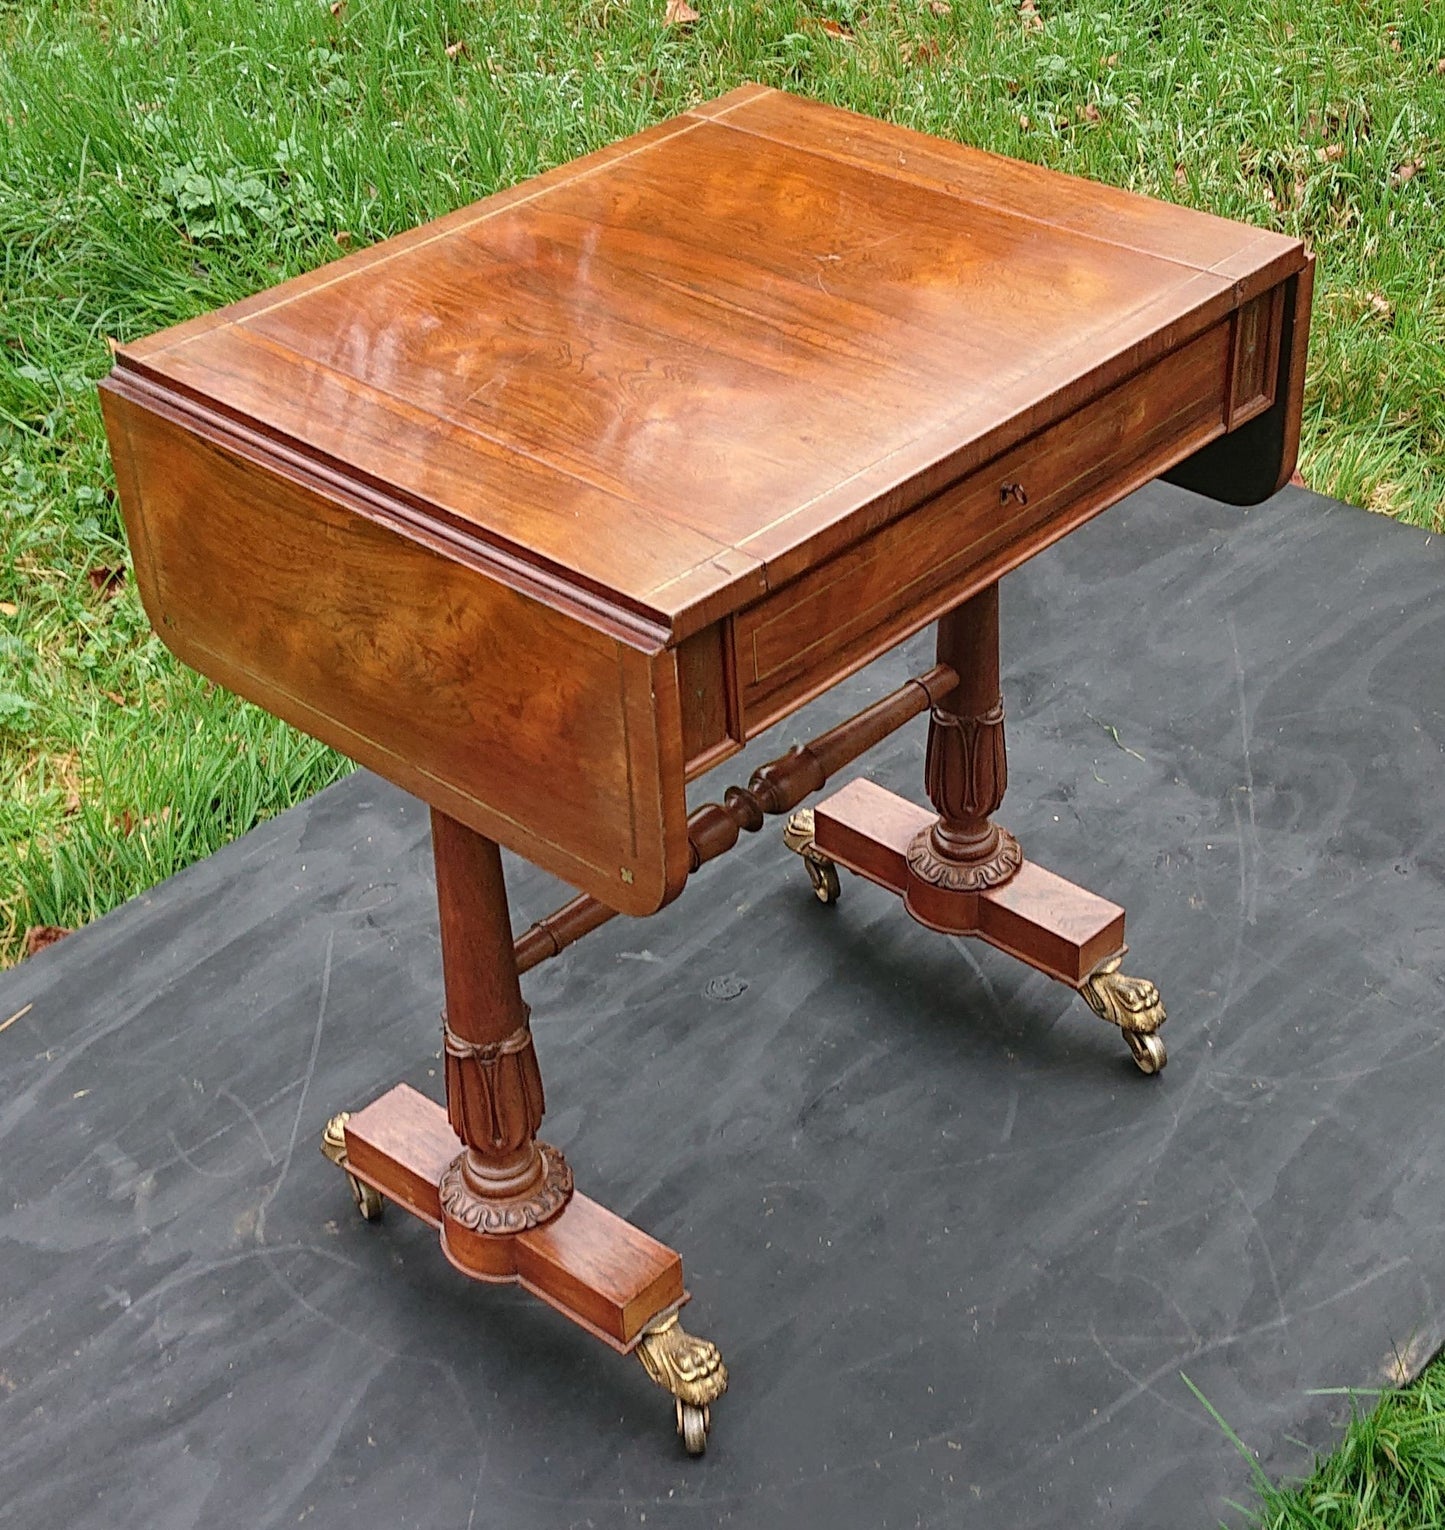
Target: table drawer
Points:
(799, 640)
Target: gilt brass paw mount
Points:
(822, 873)
(1134, 1005)
(691, 1369)
(333, 1144)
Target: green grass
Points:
(1387, 1473)
(157, 159)
(161, 159)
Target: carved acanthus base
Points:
(497, 1216)
(994, 864)
(494, 1090)
(965, 771)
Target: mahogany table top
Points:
(547, 507)
(678, 373)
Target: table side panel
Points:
(1257, 457)
(707, 690)
(1256, 356)
(558, 740)
(828, 623)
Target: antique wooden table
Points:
(548, 506)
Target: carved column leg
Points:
(504, 1204)
(966, 767)
(963, 874)
(504, 1181)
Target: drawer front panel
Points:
(795, 642)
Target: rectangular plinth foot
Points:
(1040, 918)
(599, 1270)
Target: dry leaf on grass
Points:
(1330, 152)
(1406, 172)
(1384, 498)
(1181, 177)
(925, 52)
(1033, 22)
(680, 14)
(38, 936)
(456, 49)
(67, 774)
(943, 8)
(1090, 113)
(1382, 306)
(1297, 479)
(1402, 1366)
(106, 582)
(8, 608)
(836, 29)
(129, 823)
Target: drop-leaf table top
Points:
(546, 506)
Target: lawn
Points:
(159, 159)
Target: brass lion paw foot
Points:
(1134, 1005)
(691, 1370)
(822, 873)
(333, 1143)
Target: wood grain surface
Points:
(607, 1276)
(661, 372)
(539, 730)
(547, 506)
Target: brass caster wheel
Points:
(1150, 1053)
(369, 1202)
(691, 1369)
(824, 877)
(1134, 1005)
(694, 1425)
(822, 873)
